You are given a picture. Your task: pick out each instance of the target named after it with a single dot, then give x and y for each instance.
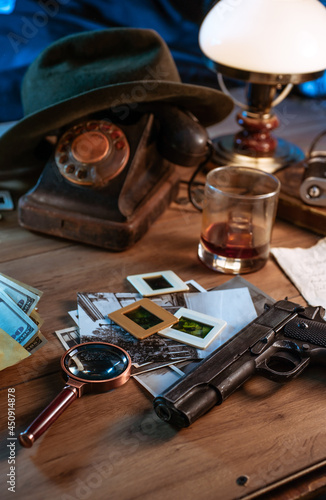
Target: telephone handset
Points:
(107, 179)
(182, 140)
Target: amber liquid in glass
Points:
(233, 242)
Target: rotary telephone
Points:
(107, 177)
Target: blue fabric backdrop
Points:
(28, 26)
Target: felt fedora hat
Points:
(93, 71)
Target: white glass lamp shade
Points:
(277, 37)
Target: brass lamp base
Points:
(284, 155)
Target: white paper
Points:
(306, 268)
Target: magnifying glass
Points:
(88, 367)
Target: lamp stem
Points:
(255, 138)
(260, 97)
(255, 145)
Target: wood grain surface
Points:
(112, 446)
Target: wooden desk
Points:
(112, 446)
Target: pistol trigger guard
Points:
(282, 365)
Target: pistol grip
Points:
(306, 330)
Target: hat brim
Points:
(17, 145)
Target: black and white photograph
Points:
(98, 327)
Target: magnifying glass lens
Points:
(98, 362)
(91, 367)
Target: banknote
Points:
(36, 318)
(24, 285)
(25, 296)
(35, 343)
(15, 322)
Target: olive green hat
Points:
(93, 71)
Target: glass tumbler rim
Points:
(250, 170)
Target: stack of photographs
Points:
(158, 361)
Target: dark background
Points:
(34, 24)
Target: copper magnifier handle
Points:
(88, 367)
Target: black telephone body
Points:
(108, 177)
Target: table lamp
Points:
(271, 45)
